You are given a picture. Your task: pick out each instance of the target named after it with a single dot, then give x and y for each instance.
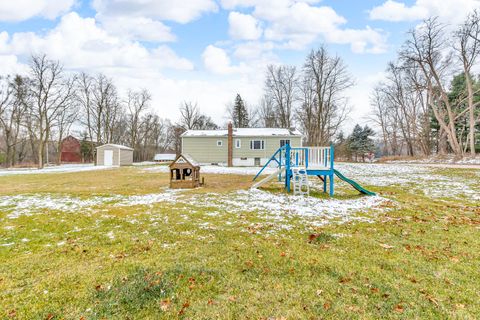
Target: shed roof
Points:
(244, 132)
(164, 156)
(119, 146)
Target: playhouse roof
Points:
(187, 158)
(244, 132)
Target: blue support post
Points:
(332, 158)
(287, 167)
(280, 167)
(324, 184)
(306, 158)
(331, 185)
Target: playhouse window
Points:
(238, 143)
(219, 143)
(284, 142)
(257, 145)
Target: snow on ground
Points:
(280, 207)
(53, 169)
(29, 204)
(275, 207)
(219, 170)
(448, 159)
(416, 178)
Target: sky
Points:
(207, 51)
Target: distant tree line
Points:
(429, 102)
(39, 110)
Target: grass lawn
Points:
(117, 244)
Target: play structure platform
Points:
(295, 165)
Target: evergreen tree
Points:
(240, 114)
(360, 141)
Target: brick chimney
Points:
(230, 144)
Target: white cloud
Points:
(9, 65)
(137, 28)
(179, 11)
(217, 61)
(295, 24)
(451, 11)
(243, 26)
(18, 10)
(81, 44)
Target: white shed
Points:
(114, 155)
(165, 157)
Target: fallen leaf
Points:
(283, 254)
(12, 313)
(374, 290)
(319, 292)
(326, 305)
(50, 316)
(165, 304)
(232, 298)
(345, 280)
(398, 308)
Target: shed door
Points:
(108, 158)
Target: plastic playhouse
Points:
(295, 165)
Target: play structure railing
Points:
(310, 157)
(307, 157)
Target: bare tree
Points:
(51, 92)
(137, 104)
(323, 105)
(428, 49)
(266, 113)
(280, 87)
(468, 49)
(84, 96)
(189, 116)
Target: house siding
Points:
(205, 149)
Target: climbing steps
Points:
(300, 181)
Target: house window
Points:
(238, 143)
(257, 144)
(219, 143)
(284, 142)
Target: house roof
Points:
(244, 132)
(119, 146)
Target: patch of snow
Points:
(53, 169)
(144, 163)
(284, 206)
(250, 171)
(7, 244)
(416, 178)
(447, 159)
(28, 204)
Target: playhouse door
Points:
(108, 158)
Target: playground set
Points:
(296, 164)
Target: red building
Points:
(70, 150)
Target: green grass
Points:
(420, 259)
